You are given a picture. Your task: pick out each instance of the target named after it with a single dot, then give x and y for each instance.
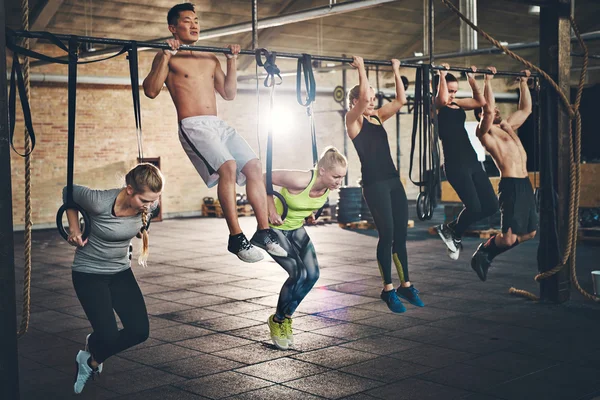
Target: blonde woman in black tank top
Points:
(382, 188)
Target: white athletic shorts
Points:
(209, 142)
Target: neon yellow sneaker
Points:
(278, 335)
(287, 327)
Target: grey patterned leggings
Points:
(302, 267)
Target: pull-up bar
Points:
(481, 71)
(164, 45)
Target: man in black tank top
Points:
(463, 171)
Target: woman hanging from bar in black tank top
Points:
(463, 170)
(382, 188)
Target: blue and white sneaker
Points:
(411, 294)
(392, 301)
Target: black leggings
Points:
(389, 208)
(99, 294)
(301, 266)
(475, 191)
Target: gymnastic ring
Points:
(423, 204)
(404, 82)
(429, 209)
(87, 227)
(283, 204)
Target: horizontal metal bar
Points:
(482, 71)
(163, 45)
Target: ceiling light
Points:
(329, 65)
(534, 10)
(418, 54)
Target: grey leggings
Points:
(301, 266)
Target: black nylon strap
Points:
(135, 92)
(72, 97)
(416, 123)
(16, 70)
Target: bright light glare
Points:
(282, 120)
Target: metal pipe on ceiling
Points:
(468, 36)
(589, 36)
(270, 22)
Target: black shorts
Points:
(517, 205)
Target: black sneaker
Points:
(241, 247)
(480, 262)
(267, 240)
(447, 237)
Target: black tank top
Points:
(454, 137)
(373, 150)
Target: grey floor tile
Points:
(213, 343)
(350, 331)
(335, 357)
(432, 356)
(254, 353)
(223, 385)
(386, 369)
(467, 377)
(178, 332)
(162, 393)
(282, 370)
(274, 392)
(136, 380)
(160, 354)
(333, 385)
(199, 365)
(412, 388)
(381, 345)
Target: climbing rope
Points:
(26, 308)
(569, 252)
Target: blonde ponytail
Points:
(331, 158)
(143, 257)
(145, 176)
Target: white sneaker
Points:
(446, 236)
(455, 254)
(84, 372)
(87, 338)
(241, 247)
(267, 240)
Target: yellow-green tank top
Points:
(300, 205)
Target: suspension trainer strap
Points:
(272, 70)
(72, 104)
(416, 123)
(135, 92)
(16, 76)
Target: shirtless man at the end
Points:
(515, 193)
(218, 152)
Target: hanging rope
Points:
(26, 308)
(569, 251)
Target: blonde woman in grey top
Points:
(102, 275)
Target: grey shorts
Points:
(209, 142)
